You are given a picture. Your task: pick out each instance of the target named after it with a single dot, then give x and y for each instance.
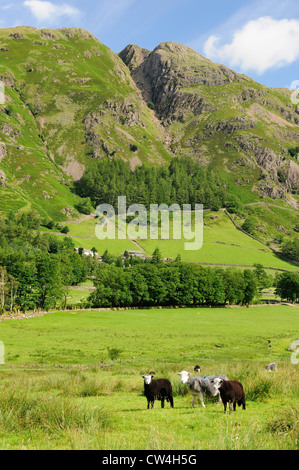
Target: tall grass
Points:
(44, 412)
(284, 422)
(78, 384)
(20, 411)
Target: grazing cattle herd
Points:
(230, 392)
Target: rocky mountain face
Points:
(240, 128)
(69, 99)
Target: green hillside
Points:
(69, 99)
(223, 244)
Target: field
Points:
(60, 388)
(223, 244)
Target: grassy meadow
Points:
(60, 389)
(223, 244)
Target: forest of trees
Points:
(152, 282)
(131, 282)
(37, 269)
(182, 181)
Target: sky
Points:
(259, 38)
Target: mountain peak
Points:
(177, 48)
(133, 55)
(26, 32)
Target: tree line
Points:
(182, 181)
(132, 282)
(152, 282)
(37, 269)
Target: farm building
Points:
(133, 253)
(86, 252)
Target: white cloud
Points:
(48, 11)
(260, 45)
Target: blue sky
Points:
(257, 37)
